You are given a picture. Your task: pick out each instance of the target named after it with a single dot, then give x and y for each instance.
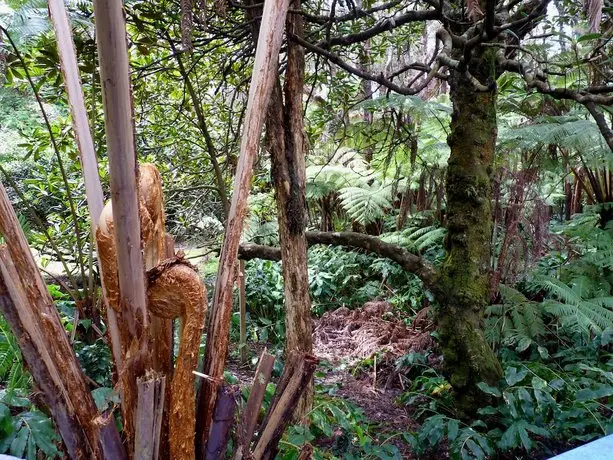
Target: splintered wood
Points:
(265, 72)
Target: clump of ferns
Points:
(576, 311)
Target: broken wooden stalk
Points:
(83, 137)
(294, 381)
(251, 412)
(264, 74)
(149, 415)
(120, 137)
(27, 306)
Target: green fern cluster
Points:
(576, 291)
(417, 239)
(13, 375)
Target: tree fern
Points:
(516, 322)
(575, 308)
(13, 375)
(417, 239)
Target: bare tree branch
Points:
(410, 262)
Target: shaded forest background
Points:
(377, 164)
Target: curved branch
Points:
(381, 26)
(410, 262)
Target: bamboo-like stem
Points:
(149, 415)
(264, 74)
(254, 402)
(80, 123)
(120, 136)
(85, 141)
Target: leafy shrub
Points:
(565, 399)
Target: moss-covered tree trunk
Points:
(465, 277)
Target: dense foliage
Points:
(377, 164)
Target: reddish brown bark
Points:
(31, 313)
(264, 74)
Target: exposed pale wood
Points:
(242, 303)
(296, 379)
(249, 418)
(223, 419)
(149, 414)
(120, 138)
(286, 140)
(83, 136)
(29, 309)
(264, 73)
(80, 123)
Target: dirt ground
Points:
(346, 339)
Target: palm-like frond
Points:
(573, 133)
(417, 239)
(517, 322)
(575, 307)
(367, 203)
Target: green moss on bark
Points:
(465, 277)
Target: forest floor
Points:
(358, 350)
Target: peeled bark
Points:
(83, 136)
(28, 308)
(149, 416)
(296, 377)
(249, 418)
(120, 137)
(464, 283)
(176, 291)
(264, 73)
(287, 143)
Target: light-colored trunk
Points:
(83, 136)
(27, 306)
(120, 137)
(264, 74)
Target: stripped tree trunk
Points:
(29, 309)
(249, 418)
(297, 375)
(120, 137)
(264, 73)
(287, 143)
(85, 142)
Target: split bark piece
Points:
(264, 74)
(176, 291)
(31, 313)
(223, 419)
(295, 379)
(288, 146)
(149, 415)
(83, 136)
(254, 402)
(120, 139)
